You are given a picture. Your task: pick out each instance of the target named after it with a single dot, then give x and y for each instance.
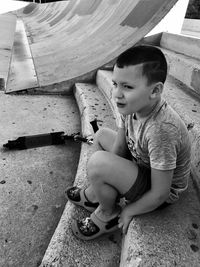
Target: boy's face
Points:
(131, 91)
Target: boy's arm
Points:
(159, 192)
(120, 147)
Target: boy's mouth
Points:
(120, 105)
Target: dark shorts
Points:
(141, 186)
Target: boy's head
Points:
(138, 78)
(154, 64)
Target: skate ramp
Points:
(70, 40)
(7, 31)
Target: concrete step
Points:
(181, 44)
(191, 27)
(169, 237)
(64, 248)
(182, 53)
(184, 68)
(183, 56)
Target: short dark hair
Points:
(152, 58)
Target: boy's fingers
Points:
(125, 228)
(120, 225)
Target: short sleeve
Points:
(163, 146)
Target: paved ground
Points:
(32, 182)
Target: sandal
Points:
(77, 196)
(93, 227)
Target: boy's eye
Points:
(128, 87)
(114, 84)
(125, 86)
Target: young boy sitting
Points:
(147, 161)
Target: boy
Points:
(147, 161)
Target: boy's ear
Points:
(157, 90)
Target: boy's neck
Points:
(148, 111)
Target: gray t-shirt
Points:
(161, 141)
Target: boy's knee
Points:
(96, 164)
(100, 134)
(105, 137)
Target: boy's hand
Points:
(124, 220)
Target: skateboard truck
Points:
(47, 139)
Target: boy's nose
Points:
(117, 93)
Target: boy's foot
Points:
(93, 226)
(77, 196)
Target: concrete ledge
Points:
(186, 45)
(192, 25)
(165, 238)
(168, 237)
(64, 249)
(184, 68)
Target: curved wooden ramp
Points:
(70, 40)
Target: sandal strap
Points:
(86, 201)
(104, 225)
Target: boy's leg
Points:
(103, 140)
(110, 175)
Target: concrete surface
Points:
(62, 39)
(165, 238)
(184, 69)
(187, 45)
(7, 31)
(33, 181)
(182, 65)
(191, 27)
(22, 74)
